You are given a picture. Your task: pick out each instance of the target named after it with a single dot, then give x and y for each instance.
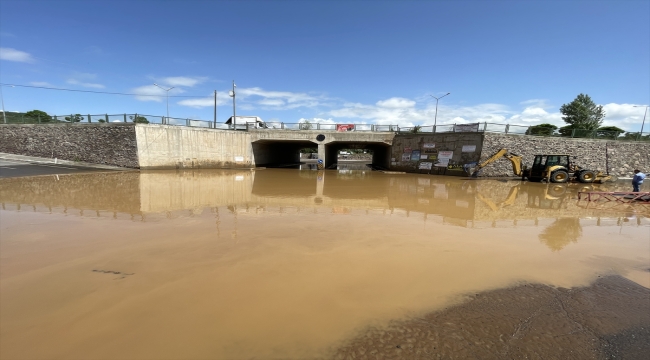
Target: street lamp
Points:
(435, 119)
(167, 90)
(231, 93)
(644, 114)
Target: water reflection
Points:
(561, 233)
(341, 166)
(277, 263)
(454, 201)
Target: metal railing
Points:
(527, 130)
(22, 118)
(81, 119)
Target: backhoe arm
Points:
(489, 161)
(514, 159)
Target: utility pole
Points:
(234, 111)
(215, 109)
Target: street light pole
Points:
(234, 112)
(435, 119)
(167, 90)
(215, 109)
(644, 114)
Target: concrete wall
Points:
(619, 158)
(430, 145)
(109, 144)
(168, 147)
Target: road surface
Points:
(15, 168)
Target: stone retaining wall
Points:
(616, 157)
(109, 144)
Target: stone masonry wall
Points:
(108, 144)
(616, 157)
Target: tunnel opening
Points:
(274, 153)
(375, 155)
(336, 154)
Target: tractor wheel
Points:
(559, 176)
(586, 176)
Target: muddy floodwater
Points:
(301, 264)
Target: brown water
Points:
(280, 263)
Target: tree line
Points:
(584, 119)
(40, 116)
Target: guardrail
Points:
(81, 119)
(528, 130)
(22, 118)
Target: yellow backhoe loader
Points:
(555, 168)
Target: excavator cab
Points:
(554, 167)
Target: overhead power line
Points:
(101, 92)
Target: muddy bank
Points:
(607, 320)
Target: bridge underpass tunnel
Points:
(380, 152)
(279, 152)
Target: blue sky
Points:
(330, 61)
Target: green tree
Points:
(541, 129)
(38, 116)
(609, 132)
(306, 125)
(74, 118)
(139, 119)
(582, 113)
(416, 129)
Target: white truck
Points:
(245, 123)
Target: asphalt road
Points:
(14, 168)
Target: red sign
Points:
(344, 127)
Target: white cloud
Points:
(84, 79)
(279, 100)
(251, 98)
(149, 93)
(271, 102)
(316, 120)
(407, 113)
(396, 103)
(187, 81)
(625, 116)
(10, 54)
(222, 99)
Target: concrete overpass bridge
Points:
(169, 147)
(283, 146)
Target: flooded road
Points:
(282, 263)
